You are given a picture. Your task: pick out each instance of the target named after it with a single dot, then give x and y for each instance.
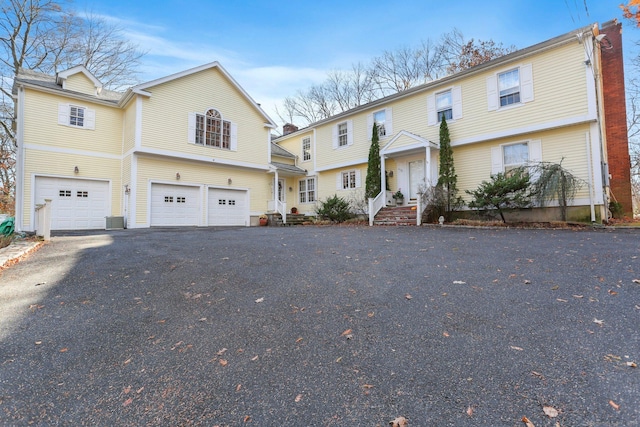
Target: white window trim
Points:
(315, 190)
(339, 179)
(388, 123)
(64, 116)
(456, 106)
(497, 154)
(233, 141)
(308, 138)
(336, 143)
(526, 88)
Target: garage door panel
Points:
(76, 204)
(173, 205)
(227, 207)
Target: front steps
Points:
(398, 215)
(292, 219)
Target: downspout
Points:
(600, 123)
(590, 172)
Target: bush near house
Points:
(504, 191)
(335, 209)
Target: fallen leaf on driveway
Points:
(399, 422)
(598, 322)
(527, 422)
(347, 332)
(259, 300)
(64, 350)
(459, 282)
(632, 364)
(408, 296)
(636, 281)
(550, 411)
(614, 405)
(516, 348)
(470, 411)
(298, 398)
(223, 362)
(127, 402)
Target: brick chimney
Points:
(289, 128)
(615, 114)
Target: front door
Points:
(416, 177)
(281, 191)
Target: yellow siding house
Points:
(190, 149)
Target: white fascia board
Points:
(63, 75)
(196, 158)
(66, 94)
(341, 165)
(538, 127)
(270, 123)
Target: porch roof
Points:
(286, 169)
(405, 142)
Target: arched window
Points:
(212, 130)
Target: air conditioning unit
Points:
(115, 223)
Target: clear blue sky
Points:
(272, 48)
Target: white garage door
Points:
(174, 205)
(228, 207)
(76, 204)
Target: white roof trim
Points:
(420, 142)
(142, 87)
(64, 75)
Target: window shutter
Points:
(349, 132)
(535, 150)
(492, 92)
(369, 126)
(456, 95)
(192, 128)
(334, 135)
(358, 179)
(234, 137)
(496, 160)
(526, 83)
(63, 114)
(388, 121)
(89, 119)
(432, 116)
(339, 181)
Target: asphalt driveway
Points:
(324, 326)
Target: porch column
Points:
(383, 175)
(275, 187)
(427, 179)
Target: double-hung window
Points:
(348, 180)
(380, 118)
(515, 156)
(343, 131)
(444, 105)
(307, 190)
(76, 116)
(509, 87)
(306, 149)
(342, 134)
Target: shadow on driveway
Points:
(323, 326)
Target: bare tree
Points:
(48, 36)
(392, 72)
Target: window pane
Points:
(342, 134)
(443, 100)
(516, 154)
